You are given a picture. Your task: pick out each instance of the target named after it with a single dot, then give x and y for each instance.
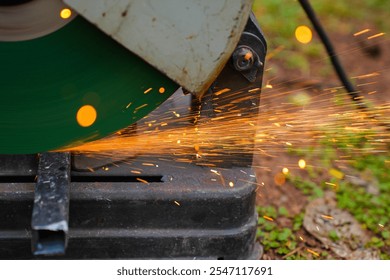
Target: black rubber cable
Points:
(332, 54)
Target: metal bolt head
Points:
(243, 59)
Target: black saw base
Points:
(169, 211)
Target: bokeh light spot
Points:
(65, 13)
(86, 116)
(303, 34)
(302, 164)
(280, 179)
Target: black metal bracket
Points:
(242, 78)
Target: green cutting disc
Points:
(70, 87)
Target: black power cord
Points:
(332, 54)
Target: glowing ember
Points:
(313, 252)
(361, 32)
(142, 181)
(140, 107)
(268, 218)
(222, 91)
(148, 90)
(215, 172)
(326, 217)
(376, 36)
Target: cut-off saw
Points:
(75, 71)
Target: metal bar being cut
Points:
(51, 205)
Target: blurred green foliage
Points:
(280, 18)
(283, 240)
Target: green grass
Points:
(372, 211)
(282, 240)
(280, 18)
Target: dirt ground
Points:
(360, 57)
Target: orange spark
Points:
(361, 32)
(313, 252)
(222, 91)
(330, 184)
(142, 181)
(376, 36)
(148, 90)
(268, 218)
(326, 217)
(140, 107)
